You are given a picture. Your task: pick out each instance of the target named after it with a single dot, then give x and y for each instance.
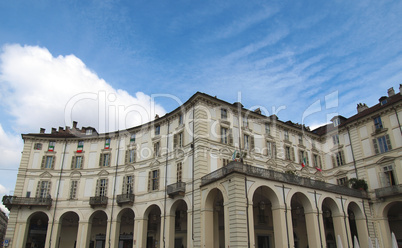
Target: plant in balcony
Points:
(360, 184)
(291, 172)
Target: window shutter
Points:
(97, 191)
(307, 161)
(126, 159)
(155, 152)
(292, 153)
(175, 140)
(123, 190)
(333, 161)
(53, 161)
(157, 180)
(388, 142)
(343, 158)
(319, 161)
(149, 180)
(375, 146)
(38, 190)
(267, 148)
(42, 165)
(106, 185)
(251, 142)
(49, 187)
(230, 137)
(109, 159)
(82, 162)
(274, 150)
(73, 162)
(100, 160)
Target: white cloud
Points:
(3, 191)
(10, 147)
(41, 90)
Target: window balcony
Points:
(237, 167)
(98, 201)
(178, 188)
(9, 201)
(389, 191)
(125, 199)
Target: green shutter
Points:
(123, 190)
(343, 158)
(376, 150)
(49, 187)
(149, 180)
(333, 161)
(292, 154)
(388, 142)
(230, 137)
(126, 159)
(175, 140)
(53, 161)
(38, 190)
(252, 142)
(307, 160)
(42, 165)
(73, 162)
(157, 180)
(274, 150)
(100, 160)
(106, 185)
(97, 191)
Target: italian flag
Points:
(303, 162)
(79, 149)
(51, 148)
(234, 156)
(319, 169)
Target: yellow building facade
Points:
(213, 174)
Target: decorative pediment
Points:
(155, 163)
(129, 168)
(103, 173)
(318, 175)
(340, 173)
(45, 175)
(271, 163)
(75, 174)
(225, 150)
(290, 166)
(385, 159)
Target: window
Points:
(316, 161)
(313, 145)
(342, 181)
(338, 159)
(303, 156)
(261, 213)
(158, 130)
(335, 139)
(271, 149)
(336, 122)
(245, 121)
(88, 132)
(38, 146)
(180, 119)
(382, 144)
(267, 128)
(80, 146)
(73, 189)
(300, 140)
(179, 171)
(101, 187)
(130, 156)
(224, 114)
(43, 189)
(248, 142)
(178, 140)
(378, 123)
(286, 133)
(132, 138)
(107, 143)
(156, 149)
(289, 153)
(104, 160)
(388, 176)
(52, 144)
(153, 180)
(47, 162)
(77, 162)
(225, 162)
(128, 185)
(225, 136)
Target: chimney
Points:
(361, 107)
(156, 116)
(61, 129)
(74, 125)
(391, 92)
(53, 130)
(258, 111)
(42, 130)
(400, 89)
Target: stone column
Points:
(339, 226)
(208, 228)
(362, 231)
(113, 233)
(189, 229)
(313, 232)
(55, 235)
(385, 235)
(83, 234)
(170, 230)
(140, 232)
(49, 241)
(279, 222)
(251, 224)
(21, 228)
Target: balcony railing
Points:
(388, 191)
(280, 177)
(125, 198)
(98, 201)
(178, 188)
(9, 201)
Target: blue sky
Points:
(287, 55)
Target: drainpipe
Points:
(397, 118)
(248, 223)
(57, 194)
(353, 156)
(166, 167)
(114, 187)
(344, 220)
(192, 175)
(365, 215)
(286, 215)
(318, 216)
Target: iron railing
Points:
(98, 201)
(388, 191)
(280, 177)
(176, 188)
(125, 198)
(10, 200)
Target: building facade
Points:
(213, 174)
(3, 226)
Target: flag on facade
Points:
(51, 148)
(234, 156)
(319, 169)
(303, 162)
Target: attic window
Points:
(88, 132)
(383, 101)
(336, 122)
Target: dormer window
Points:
(88, 132)
(158, 130)
(132, 138)
(337, 122)
(180, 119)
(224, 114)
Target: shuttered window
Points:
(316, 160)
(338, 159)
(104, 160)
(179, 171)
(226, 136)
(43, 189)
(178, 140)
(77, 162)
(128, 184)
(73, 189)
(248, 142)
(290, 153)
(304, 155)
(101, 187)
(382, 144)
(48, 162)
(130, 156)
(153, 180)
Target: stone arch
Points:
(179, 219)
(214, 218)
(270, 191)
(97, 229)
(152, 231)
(125, 227)
(37, 221)
(68, 229)
(357, 223)
(333, 221)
